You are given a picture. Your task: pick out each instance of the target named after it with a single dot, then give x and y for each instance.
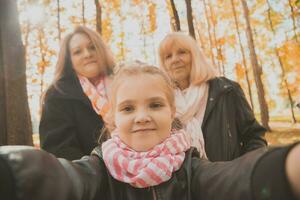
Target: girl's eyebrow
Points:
(129, 101)
(126, 102)
(156, 99)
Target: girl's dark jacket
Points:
(69, 126)
(229, 125)
(30, 174)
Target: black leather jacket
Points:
(229, 125)
(32, 174)
(69, 126)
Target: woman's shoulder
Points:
(223, 82)
(64, 89)
(52, 92)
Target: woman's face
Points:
(143, 114)
(84, 56)
(178, 64)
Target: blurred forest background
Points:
(255, 42)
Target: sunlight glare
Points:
(35, 14)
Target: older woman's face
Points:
(84, 56)
(178, 62)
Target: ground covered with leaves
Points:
(283, 133)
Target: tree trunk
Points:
(220, 55)
(41, 35)
(283, 77)
(294, 20)
(143, 31)
(200, 35)
(257, 71)
(243, 54)
(98, 16)
(26, 37)
(83, 12)
(15, 122)
(209, 34)
(189, 14)
(175, 18)
(58, 20)
(215, 37)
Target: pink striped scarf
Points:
(96, 94)
(145, 169)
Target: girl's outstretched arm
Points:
(262, 174)
(28, 173)
(293, 169)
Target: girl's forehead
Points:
(132, 80)
(143, 88)
(142, 82)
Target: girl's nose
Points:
(142, 117)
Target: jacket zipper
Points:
(153, 193)
(212, 100)
(228, 128)
(229, 140)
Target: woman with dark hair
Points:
(76, 102)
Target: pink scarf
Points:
(145, 169)
(96, 94)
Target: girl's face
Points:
(84, 56)
(178, 62)
(143, 114)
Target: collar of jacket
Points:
(217, 87)
(68, 88)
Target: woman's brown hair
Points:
(64, 65)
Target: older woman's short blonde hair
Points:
(201, 69)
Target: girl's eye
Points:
(156, 105)
(127, 109)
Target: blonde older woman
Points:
(213, 109)
(76, 102)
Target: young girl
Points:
(145, 159)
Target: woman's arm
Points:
(37, 175)
(58, 131)
(250, 131)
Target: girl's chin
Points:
(145, 147)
